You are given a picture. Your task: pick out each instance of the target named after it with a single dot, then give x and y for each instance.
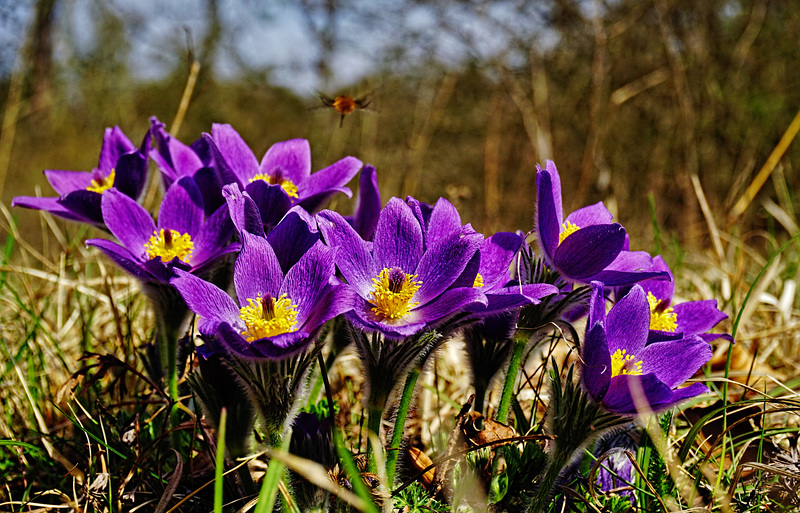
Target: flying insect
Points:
(344, 104)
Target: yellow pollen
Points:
(169, 244)
(478, 281)
(392, 298)
(622, 363)
(661, 319)
(104, 184)
(267, 317)
(567, 229)
(287, 185)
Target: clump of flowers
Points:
(271, 278)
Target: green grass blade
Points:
(219, 467)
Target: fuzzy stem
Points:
(374, 426)
(399, 423)
(511, 378)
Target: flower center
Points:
(662, 318)
(277, 177)
(567, 229)
(622, 363)
(169, 244)
(267, 317)
(100, 184)
(392, 293)
(478, 283)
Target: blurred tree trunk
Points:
(41, 53)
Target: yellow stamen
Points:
(169, 244)
(267, 317)
(567, 229)
(287, 185)
(392, 293)
(478, 281)
(622, 363)
(103, 184)
(661, 318)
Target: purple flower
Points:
(184, 237)
(405, 280)
(688, 318)
(586, 246)
(619, 363)
(283, 178)
(276, 314)
(122, 166)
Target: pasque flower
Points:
(585, 246)
(283, 178)
(183, 237)
(405, 280)
(619, 363)
(688, 318)
(276, 314)
(122, 166)
(368, 207)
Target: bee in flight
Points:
(344, 105)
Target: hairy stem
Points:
(511, 378)
(399, 423)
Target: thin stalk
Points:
(520, 341)
(400, 422)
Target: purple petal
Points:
(205, 299)
(535, 291)
(682, 394)
(443, 263)
(548, 213)
(673, 362)
(597, 305)
(368, 206)
(127, 221)
(363, 316)
(596, 375)
(452, 301)
(64, 182)
(51, 205)
(293, 236)
(586, 252)
(182, 207)
(235, 151)
(334, 176)
(173, 158)
(315, 202)
(443, 223)
(257, 271)
(335, 300)
(630, 267)
(243, 210)
(272, 348)
(307, 279)
(354, 259)
(271, 200)
(115, 144)
(497, 252)
(662, 289)
(131, 174)
(122, 257)
(590, 215)
(628, 323)
(698, 316)
(85, 204)
(398, 238)
(500, 301)
(619, 398)
(214, 234)
(293, 157)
